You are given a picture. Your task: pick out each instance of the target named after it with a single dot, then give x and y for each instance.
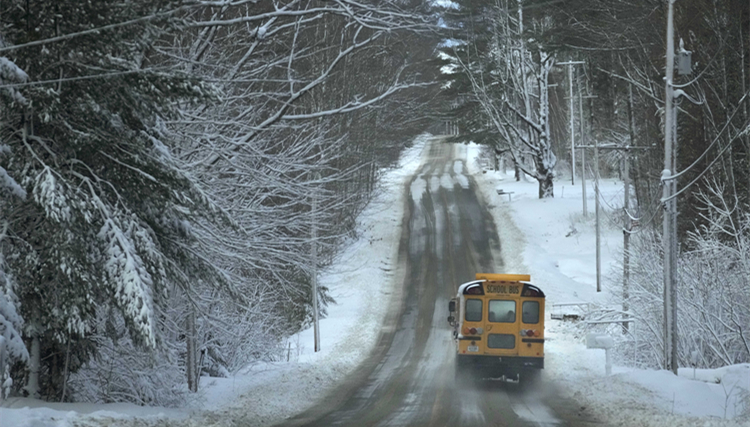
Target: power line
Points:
(609, 215)
(72, 79)
(714, 142)
(703, 172)
(650, 220)
(92, 30)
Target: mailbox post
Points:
(605, 342)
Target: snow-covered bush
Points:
(714, 284)
(713, 290)
(122, 371)
(228, 335)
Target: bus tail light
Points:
(530, 333)
(472, 331)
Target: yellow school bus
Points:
(498, 327)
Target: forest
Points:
(164, 165)
(535, 81)
(173, 173)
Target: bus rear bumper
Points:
(496, 366)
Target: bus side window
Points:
(530, 312)
(473, 310)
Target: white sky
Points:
(534, 241)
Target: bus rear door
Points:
(502, 325)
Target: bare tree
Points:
(510, 84)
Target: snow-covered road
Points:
(448, 236)
(533, 236)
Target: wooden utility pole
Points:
(626, 228)
(668, 238)
(581, 122)
(583, 151)
(598, 229)
(314, 278)
(570, 65)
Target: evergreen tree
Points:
(105, 203)
(503, 69)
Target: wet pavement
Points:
(409, 379)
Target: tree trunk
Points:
(546, 186)
(35, 362)
(545, 160)
(65, 371)
(191, 359)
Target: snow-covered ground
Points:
(549, 239)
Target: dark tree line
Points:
(159, 161)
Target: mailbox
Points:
(599, 341)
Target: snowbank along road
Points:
(448, 236)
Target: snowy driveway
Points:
(408, 381)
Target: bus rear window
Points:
(530, 312)
(473, 310)
(502, 311)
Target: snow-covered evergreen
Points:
(12, 347)
(162, 162)
(506, 72)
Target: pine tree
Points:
(503, 72)
(104, 200)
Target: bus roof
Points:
(503, 277)
(465, 285)
(528, 288)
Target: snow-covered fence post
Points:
(694, 356)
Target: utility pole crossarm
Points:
(616, 147)
(584, 97)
